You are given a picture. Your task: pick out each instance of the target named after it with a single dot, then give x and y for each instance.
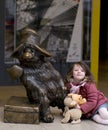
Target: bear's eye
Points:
(31, 50)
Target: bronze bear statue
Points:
(43, 83)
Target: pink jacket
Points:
(94, 98)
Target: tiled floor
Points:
(6, 92)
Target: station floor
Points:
(8, 91)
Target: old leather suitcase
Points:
(19, 110)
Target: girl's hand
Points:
(78, 106)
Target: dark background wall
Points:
(103, 49)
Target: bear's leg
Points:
(66, 118)
(45, 111)
(76, 121)
(37, 95)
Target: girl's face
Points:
(78, 73)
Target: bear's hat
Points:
(30, 38)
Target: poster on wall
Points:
(75, 48)
(54, 21)
(63, 25)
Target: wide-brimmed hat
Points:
(30, 38)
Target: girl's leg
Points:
(102, 116)
(97, 118)
(103, 112)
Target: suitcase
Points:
(19, 110)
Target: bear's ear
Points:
(70, 95)
(82, 101)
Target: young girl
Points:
(80, 80)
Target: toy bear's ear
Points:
(70, 95)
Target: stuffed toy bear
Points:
(77, 97)
(43, 83)
(72, 112)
